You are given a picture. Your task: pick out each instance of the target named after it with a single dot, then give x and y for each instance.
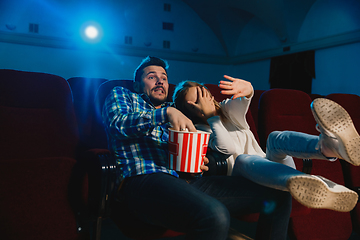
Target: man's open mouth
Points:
(159, 89)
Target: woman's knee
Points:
(273, 136)
(245, 163)
(272, 142)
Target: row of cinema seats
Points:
(279, 109)
(56, 173)
(276, 109)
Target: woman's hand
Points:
(203, 167)
(204, 105)
(236, 87)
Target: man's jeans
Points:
(279, 149)
(201, 207)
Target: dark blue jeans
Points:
(201, 207)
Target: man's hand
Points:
(204, 104)
(179, 121)
(236, 87)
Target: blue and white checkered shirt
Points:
(137, 132)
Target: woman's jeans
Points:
(280, 147)
(201, 207)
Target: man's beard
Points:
(157, 101)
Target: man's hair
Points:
(149, 61)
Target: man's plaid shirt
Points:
(137, 132)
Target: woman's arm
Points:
(220, 139)
(237, 107)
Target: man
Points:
(137, 126)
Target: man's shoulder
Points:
(122, 91)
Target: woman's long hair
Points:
(179, 99)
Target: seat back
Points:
(98, 138)
(285, 109)
(254, 106)
(351, 103)
(37, 116)
(84, 90)
(39, 137)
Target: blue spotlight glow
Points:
(91, 32)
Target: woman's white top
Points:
(232, 136)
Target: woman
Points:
(230, 134)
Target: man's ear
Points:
(136, 86)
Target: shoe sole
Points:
(314, 193)
(335, 119)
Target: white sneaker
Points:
(338, 133)
(319, 192)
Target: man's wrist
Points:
(160, 116)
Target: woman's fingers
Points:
(204, 92)
(199, 92)
(229, 78)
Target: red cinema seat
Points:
(284, 109)
(84, 90)
(351, 103)
(254, 106)
(39, 138)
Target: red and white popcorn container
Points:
(187, 150)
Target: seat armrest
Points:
(217, 163)
(357, 190)
(101, 169)
(307, 166)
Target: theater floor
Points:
(238, 231)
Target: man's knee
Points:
(220, 216)
(215, 217)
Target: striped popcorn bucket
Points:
(187, 150)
